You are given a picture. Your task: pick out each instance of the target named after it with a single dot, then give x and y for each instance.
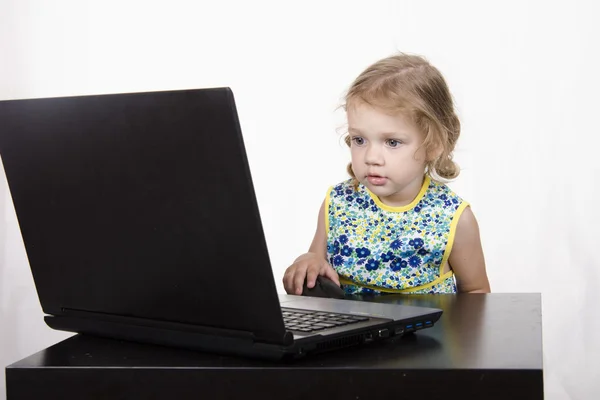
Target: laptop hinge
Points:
(286, 340)
(161, 324)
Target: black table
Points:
(486, 346)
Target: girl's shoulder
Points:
(441, 191)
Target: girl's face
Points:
(386, 153)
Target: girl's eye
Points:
(358, 140)
(393, 143)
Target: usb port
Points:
(409, 327)
(428, 323)
(418, 325)
(398, 330)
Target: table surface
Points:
(476, 332)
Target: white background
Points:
(524, 75)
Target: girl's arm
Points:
(319, 242)
(312, 264)
(466, 258)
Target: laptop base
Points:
(168, 337)
(194, 340)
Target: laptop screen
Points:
(140, 204)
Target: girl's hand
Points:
(307, 267)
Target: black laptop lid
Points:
(140, 205)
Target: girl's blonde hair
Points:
(411, 86)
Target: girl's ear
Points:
(434, 152)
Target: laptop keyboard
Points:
(311, 321)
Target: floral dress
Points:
(377, 248)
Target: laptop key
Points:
(338, 323)
(310, 321)
(324, 325)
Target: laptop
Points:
(140, 222)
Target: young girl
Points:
(394, 227)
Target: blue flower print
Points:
(443, 196)
(349, 263)
(417, 209)
(396, 244)
(374, 208)
(414, 261)
(395, 265)
(359, 200)
(372, 265)
(398, 264)
(349, 199)
(346, 251)
(422, 251)
(406, 254)
(349, 191)
(417, 243)
(343, 239)
(333, 248)
(338, 260)
(387, 256)
(363, 252)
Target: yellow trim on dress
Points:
(452, 234)
(407, 207)
(326, 212)
(346, 281)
